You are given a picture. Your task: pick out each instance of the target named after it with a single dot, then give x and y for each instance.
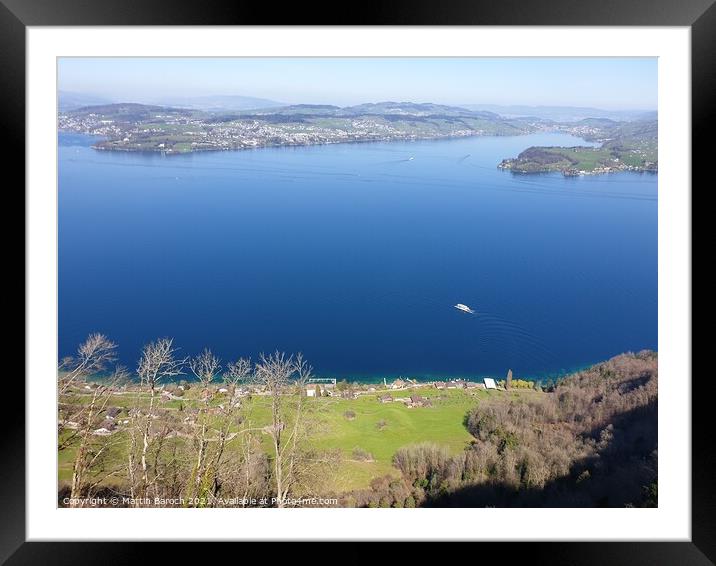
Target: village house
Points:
(107, 427)
(242, 392)
(417, 401)
(313, 390)
(385, 398)
(398, 384)
(112, 413)
(440, 385)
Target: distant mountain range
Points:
(220, 103)
(238, 103)
(396, 109)
(73, 100)
(564, 113)
(417, 109)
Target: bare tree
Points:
(77, 419)
(93, 447)
(158, 362)
(206, 366)
(240, 371)
(216, 427)
(93, 356)
(508, 381)
(216, 467)
(237, 372)
(284, 378)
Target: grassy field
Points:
(627, 148)
(378, 429)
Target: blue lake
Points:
(355, 254)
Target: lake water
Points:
(355, 255)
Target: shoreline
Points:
(504, 165)
(410, 380)
(288, 145)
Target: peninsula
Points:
(630, 146)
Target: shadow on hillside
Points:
(618, 475)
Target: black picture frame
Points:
(699, 15)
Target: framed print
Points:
(424, 275)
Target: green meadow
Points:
(365, 432)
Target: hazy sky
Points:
(609, 83)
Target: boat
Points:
(464, 308)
